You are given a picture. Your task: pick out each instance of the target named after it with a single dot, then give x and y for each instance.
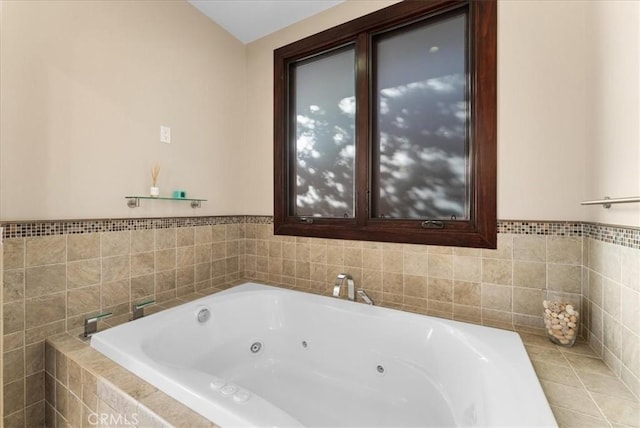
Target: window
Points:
(385, 127)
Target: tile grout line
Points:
(584, 387)
(24, 341)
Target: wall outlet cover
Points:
(165, 134)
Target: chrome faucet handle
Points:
(91, 324)
(365, 297)
(138, 309)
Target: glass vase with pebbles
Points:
(561, 322)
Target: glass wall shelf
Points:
(134, 201)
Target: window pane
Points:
(421, 152)
(325, 134)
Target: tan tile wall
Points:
(52, 283)
(502, 287)
(612, 294)
(1, 326)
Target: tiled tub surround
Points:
(81, 385)
(582, 390)
(51, 283)
(55, 276)
(84, 388)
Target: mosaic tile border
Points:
(70, 227)
(625, 236)
(259, 219)
(618, 235)
(612, 234)
(551, 228)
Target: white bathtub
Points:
(273, 357)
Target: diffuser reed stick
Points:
(155, 171)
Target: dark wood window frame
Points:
(481, 229)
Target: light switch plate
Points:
(165, 134)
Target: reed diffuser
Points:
(155, 171)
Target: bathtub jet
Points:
(265, 356)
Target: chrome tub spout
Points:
(351, 289)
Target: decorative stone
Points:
(561, 321)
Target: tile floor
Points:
(582, 390)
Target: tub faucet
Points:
(137, 310)
(91, 324)
(351, 290)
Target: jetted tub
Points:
(256, 355)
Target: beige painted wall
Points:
(85, 88)
(542, 106)
(614, 158)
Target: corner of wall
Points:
(613, 143)
(1, 323)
